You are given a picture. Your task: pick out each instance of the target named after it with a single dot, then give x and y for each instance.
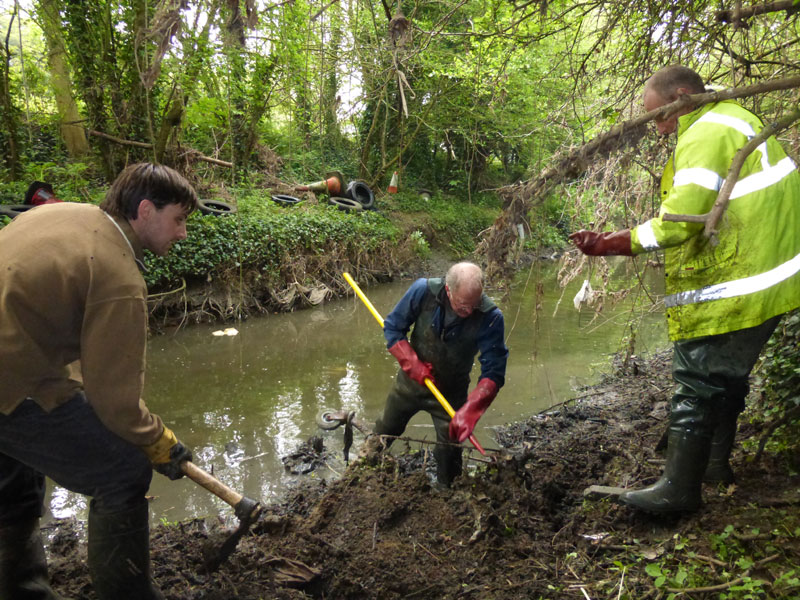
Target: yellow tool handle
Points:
(438, 395)
(430, 385)
(364, 299)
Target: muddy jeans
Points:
(406, 399)
(72, 447)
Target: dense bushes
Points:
(269, 241)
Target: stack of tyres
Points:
(361, 193)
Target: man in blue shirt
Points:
(453, 321)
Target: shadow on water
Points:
(244, 401)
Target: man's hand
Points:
(617, 243)
(410, 362)
(177, 455)
(167, 454)
(463, 422)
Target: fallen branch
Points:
(145, 145)
(575, 163)
(711, 218)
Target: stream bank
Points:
(516, 528)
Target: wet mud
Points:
(515, 527)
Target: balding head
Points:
(464, 283)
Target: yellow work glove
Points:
(167, 454)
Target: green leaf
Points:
(653, 569)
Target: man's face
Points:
(464, 301)
(159, 228)
(652, 100)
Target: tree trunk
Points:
(8, 111)
(71, 131)
(233, 41)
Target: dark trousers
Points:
(72, 447)
(407, 398)
(712, 375)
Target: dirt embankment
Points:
(517, 527)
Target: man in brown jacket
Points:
(73, 330)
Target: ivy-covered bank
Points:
(264, 256)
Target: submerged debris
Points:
(308, 456)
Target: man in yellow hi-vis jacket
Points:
(723, 301)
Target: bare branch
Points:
(738, 14)
(120, 141)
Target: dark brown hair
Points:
(157, 183)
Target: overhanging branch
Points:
(738, 14)
(522, 196)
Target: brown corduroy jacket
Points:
(71, 290)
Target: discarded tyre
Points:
(216, 207)
(361, 193)
(326, 420)
(12, 210)
(345, 204)
(285, 200)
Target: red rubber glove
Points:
(465, 419)
(617, 243)
(410, 362)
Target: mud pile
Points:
(517, 527)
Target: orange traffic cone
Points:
(393, 184)
(333, 185)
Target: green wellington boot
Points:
(23, 567)
(679, 488)
(119, 555)
(719, 468)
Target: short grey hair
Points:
(464, 273)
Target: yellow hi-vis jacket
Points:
(753, 273)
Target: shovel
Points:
(247, 509)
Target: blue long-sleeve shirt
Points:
(448, 327)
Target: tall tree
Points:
(72, 131)
(8, 111)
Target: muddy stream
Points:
(244, 401)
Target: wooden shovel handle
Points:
(211, 483)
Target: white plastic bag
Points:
(584, 295)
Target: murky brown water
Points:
(241, 402)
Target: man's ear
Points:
(145, 209)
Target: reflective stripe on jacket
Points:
(753, 273)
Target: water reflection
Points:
(243, 402)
